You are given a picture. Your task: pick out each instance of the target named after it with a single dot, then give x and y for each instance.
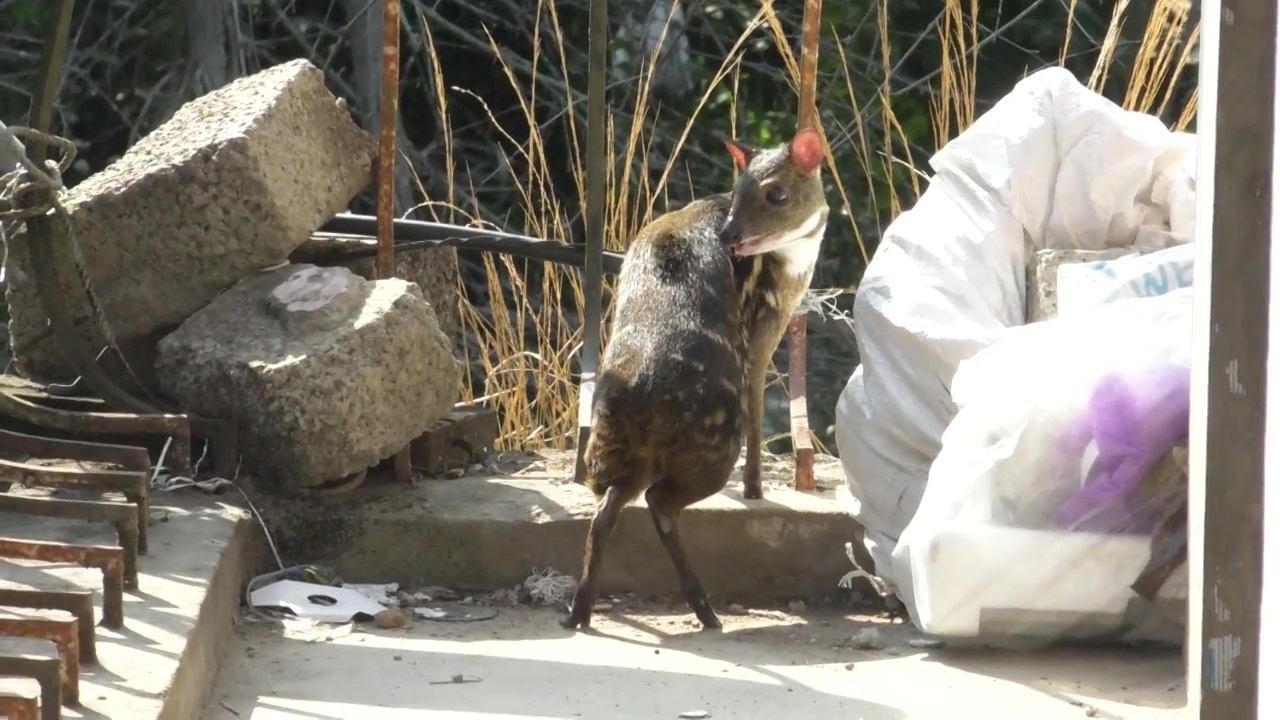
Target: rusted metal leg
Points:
(108, 559)
(36, 659)
(64, 634)
(104, 423)
(134, 485)
(18, 703)
(127, 456)
(123, 516)
(77, 602)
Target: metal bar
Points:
(593, 267)
(36, 659)
(118, 424)
(1231, 345)
(384, 262)
(123, 517)
(18, 704)
(421, 235)
(77, 602)
(133, 485)
(384, 265)
(107, 558)
(62, 632)
(127, 456)
(797, 330)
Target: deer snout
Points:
(731, 233)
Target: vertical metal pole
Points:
(384, 266)
(388, 111)
(801, 441)
(593, 269)
(1236, 225)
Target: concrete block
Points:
(461, 439)
(1042, 277)
(435, 271)
(232, 183)
(326, 373)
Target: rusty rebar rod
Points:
(388, 112)
(801, 439)
(389, 108)
(109, 559)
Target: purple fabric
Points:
(1135, 419)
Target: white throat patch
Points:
(799, 248)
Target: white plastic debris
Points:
(312, 631)
(321, 603)
(384, 594)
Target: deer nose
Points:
(731, 233)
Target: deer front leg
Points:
(756, 371)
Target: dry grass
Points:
(530, 380)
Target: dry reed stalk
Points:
(530, 380)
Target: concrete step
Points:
(492, 530)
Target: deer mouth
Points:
(754, 245)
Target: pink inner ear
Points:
(739, 157)
(806, 150)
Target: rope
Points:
(19, 184)
(21, 193)
(550, 587)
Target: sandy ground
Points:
(655, 662)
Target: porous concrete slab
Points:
(176, 625)
(1042, 277)
(490, 531)
(232, 183)
(325, 373)
(434, 270)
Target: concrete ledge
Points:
(490, 531)
(164, 662)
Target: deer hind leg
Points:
(602, 526)
(665, 501)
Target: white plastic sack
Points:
(1052, 165)
(1039, 511)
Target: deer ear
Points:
(741, 152)
(806, 150)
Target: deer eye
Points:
(776, 195)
